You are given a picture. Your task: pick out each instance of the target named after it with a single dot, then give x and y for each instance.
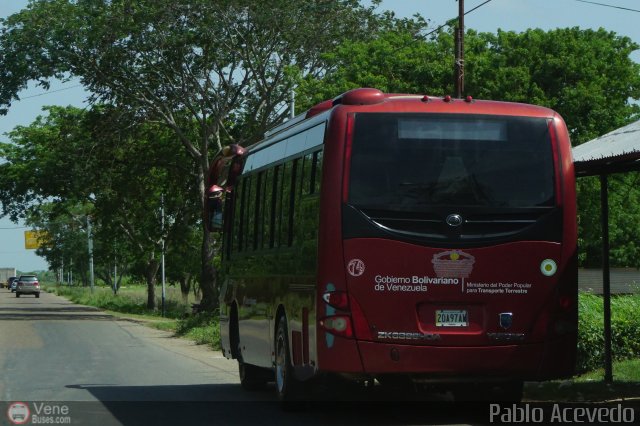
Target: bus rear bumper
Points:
(535, 361)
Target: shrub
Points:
(624, 329)
(203, 328)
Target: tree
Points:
(67, 248)
(585, 75)
(83, 161)
(188, 64)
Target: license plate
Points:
(452, 318)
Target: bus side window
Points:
(316, 172)
(265, 208)
(277, 219)
(257, 216)
(236, 223)
(294, 201)
(307, 173)
(250, 212)
(286, 191)
(273, 210)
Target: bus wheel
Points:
(287, 386)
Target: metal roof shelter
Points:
(615, 152)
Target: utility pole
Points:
(292, 103)
(90, 246)
(163, 270)
(460, 51)
(115, 270)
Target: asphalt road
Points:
(73, 364)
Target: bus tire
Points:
(288, 388)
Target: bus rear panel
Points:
(458, 245)
(385, 236)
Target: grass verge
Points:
(591, 386)
(130, 303)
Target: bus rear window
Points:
(417, 161)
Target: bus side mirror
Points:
(215, 208)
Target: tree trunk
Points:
(185, 286)
(150, 274)
(209, 300)
(208, 274)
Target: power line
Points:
(51, 91)
(455, 17)
(480, 5)
(609, 5)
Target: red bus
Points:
(400, 239)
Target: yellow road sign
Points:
(35, 239)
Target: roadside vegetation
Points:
(589, 384)
(625, 324)
(131, 303)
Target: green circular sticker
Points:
(548, 267)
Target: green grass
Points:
(129, 300)
(202, 328)
(590, 386)
(131, 303)
(166, 324)
(625, 324)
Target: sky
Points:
(508, 15)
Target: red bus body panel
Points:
(396, 288)
(503, 278)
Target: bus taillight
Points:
(337, 299)
(360, 324)
(339, 325)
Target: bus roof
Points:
(374, 100)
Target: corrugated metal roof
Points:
(620, 142)
(615, 151)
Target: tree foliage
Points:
(224, 69)
(197, 75)
(585, 75)
(75, 164)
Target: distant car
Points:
(9, 281)
(28, 284)
(12, 284)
